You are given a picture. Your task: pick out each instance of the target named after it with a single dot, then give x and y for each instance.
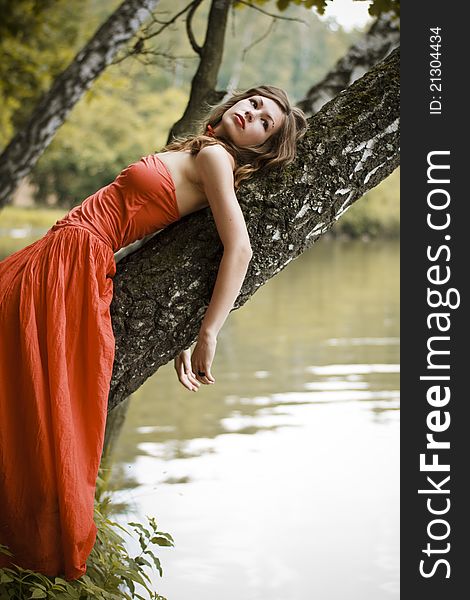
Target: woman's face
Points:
(250, 122)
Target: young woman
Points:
(56, 338)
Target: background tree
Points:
(203, 85)
(381, 38)
(28, 144)
(149, 90)
(27, 20)
(29, 42)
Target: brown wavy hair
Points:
(277, 150)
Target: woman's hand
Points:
(184, 371)
(202, 357)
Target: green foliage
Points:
(112, 574)
(381, 6)
(38, 39)
(107, 130)
(130, 109)
(132, 106)
(295, 55)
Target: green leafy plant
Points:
(112, 573)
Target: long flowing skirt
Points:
(56, 357)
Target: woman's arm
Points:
(215, 167)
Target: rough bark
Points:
(114, 424)
(21, 154)
(382, 37)
(203, 92)
(162, 290)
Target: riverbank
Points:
(21, 217)
(375, 215)
(20, 226)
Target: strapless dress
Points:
(56, 360)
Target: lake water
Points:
(281, 481)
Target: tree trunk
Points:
(204, 82)
(21, 154)
(382, 37)
(114, 424)
(161, 291)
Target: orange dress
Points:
(56, 359)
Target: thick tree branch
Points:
(382, 37)
(204, 81)
(21, 154)
(163, 289)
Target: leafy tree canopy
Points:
(38, 38)
(149, 92)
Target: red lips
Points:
(240, 120)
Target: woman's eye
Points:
(265, 125)
(254, 102)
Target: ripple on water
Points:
(352, 369)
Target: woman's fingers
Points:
(179, 368)
(203, 372)
(204, 375)
(209, 376)
(201, 360)
(185, 374)
(188, 369)
(193, 380)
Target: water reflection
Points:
(281, 480)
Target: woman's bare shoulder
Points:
(215, 155)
